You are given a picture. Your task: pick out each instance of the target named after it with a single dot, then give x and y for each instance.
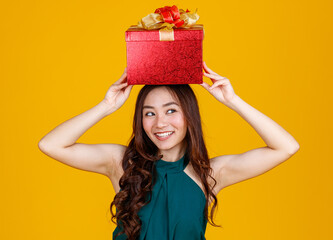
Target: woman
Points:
(164, 179)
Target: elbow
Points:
(292, 146)
(290, 150)
(42, 146)
(294, 149)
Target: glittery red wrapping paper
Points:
(154, 62)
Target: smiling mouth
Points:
(163, 136)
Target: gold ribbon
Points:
(157, 20)
(167, 35)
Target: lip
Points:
(164, 138)
(164, 132)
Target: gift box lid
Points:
(136, 34)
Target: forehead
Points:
(158, 96)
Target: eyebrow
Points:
(164, 105)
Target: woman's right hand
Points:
(118, 93)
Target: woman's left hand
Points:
(221, 88)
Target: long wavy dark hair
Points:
(141, 153)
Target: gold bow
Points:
(155, 21)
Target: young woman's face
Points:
(163, 120)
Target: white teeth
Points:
(164, 134)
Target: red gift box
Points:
(157, 57)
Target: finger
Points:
(212, 77)
(218, 83)
(205, 85)
(207, 69)
(215, 76)
(119, 86)
(122, 78)
(128, 90)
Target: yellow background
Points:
(58, 58)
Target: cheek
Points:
(179, 121)
(146, 125)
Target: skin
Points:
(105, 159)
(234, 168)
(158, 118)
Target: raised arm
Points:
(230, 169)
(61, 144)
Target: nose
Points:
(161, 121)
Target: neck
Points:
(172, 155)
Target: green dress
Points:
(176, 210)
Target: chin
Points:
(164, 146)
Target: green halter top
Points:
(176, 210)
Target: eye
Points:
(147, 114)
(151, 113)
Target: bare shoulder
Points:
(117, 152)
(115, 169)
(217, 164)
